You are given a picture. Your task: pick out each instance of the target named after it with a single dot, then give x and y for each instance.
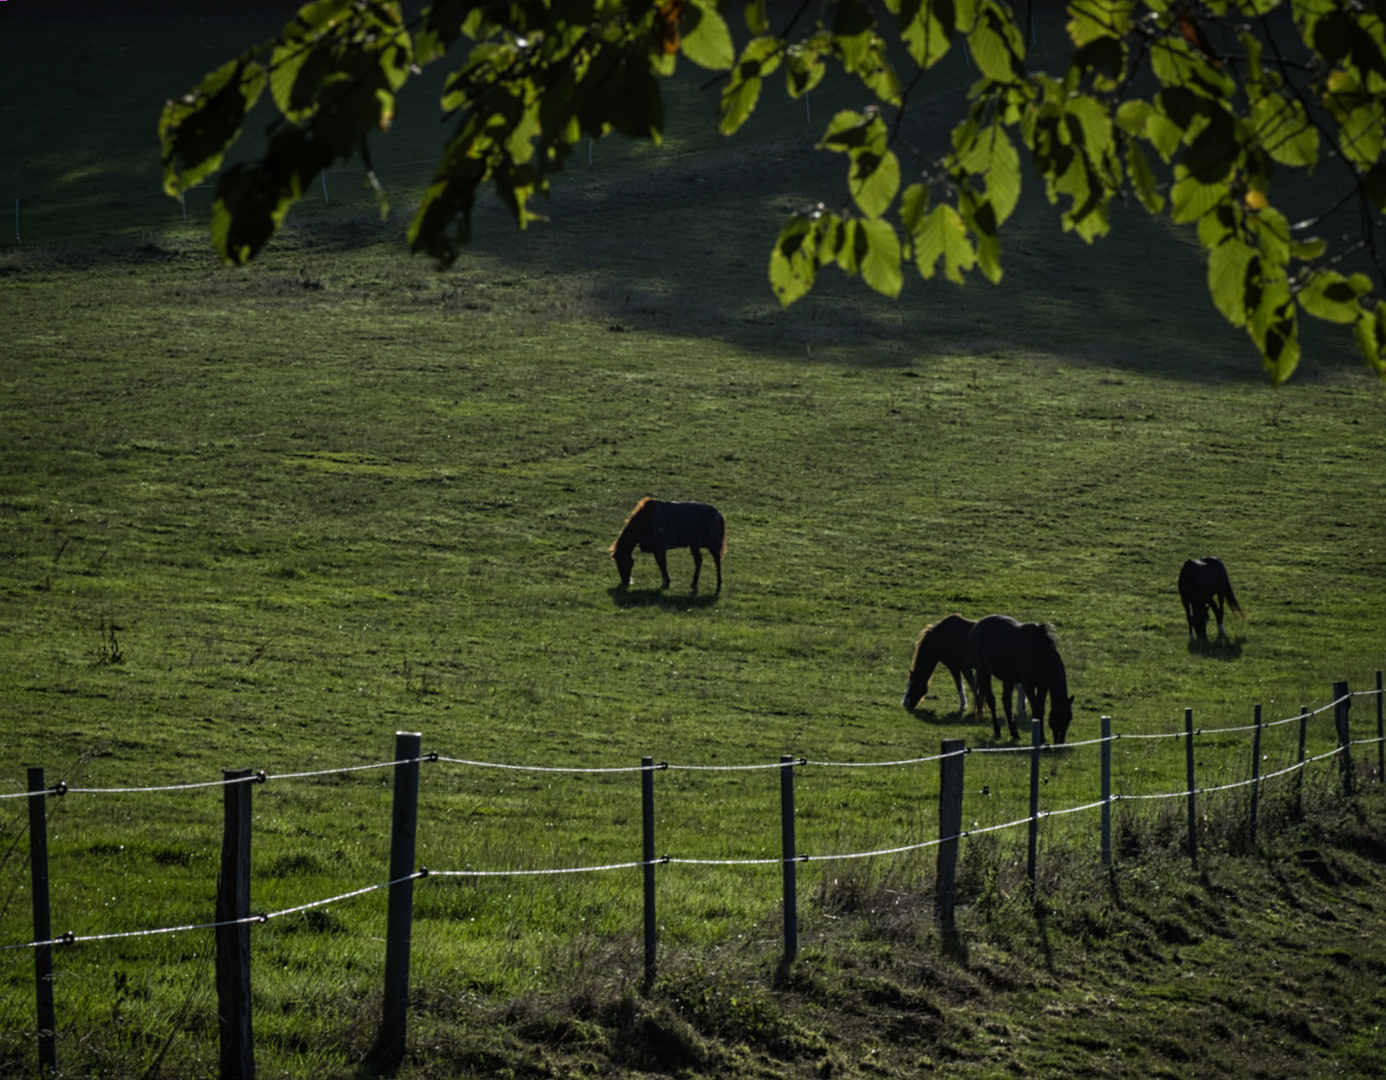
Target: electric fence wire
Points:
(263, 917)
(69, 938)
(258, 777)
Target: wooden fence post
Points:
(1340, 720)
(950, 800)
(1036, 741)
(399, 917)
(233, 940)
(791, 899)
(1255, 773)
(43, 925)
(1106, 791)
(1189, 774)
(648, 854)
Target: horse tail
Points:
(1231, 596)
(722, 525)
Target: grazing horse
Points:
(1203, 583)
(1024, 655)
(943, 642)
(657, 526)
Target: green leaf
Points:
(914, 204)
(706, 39)
(757, 21)
(996, 45)
(1091, 20)
(1214, 150)
(1332, 297)
(880, 268)
(1310, 249)
(849, 130)
(873, 181)
(1143, 178)
(759, 59)
(1283, 128)
(196, 130)
(926, 28)
(1272, 234)
(804, 67)
(988, 152)
(1370, 332)
(1271, 319)
(1227, 273)
(794, 259)
(941, 234)
(1191, 198)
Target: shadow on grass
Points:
(625, 597)
(1223, 648)
(941, 715)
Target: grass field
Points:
(268, 518)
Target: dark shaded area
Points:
(115, 9)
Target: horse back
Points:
(685, 525)
(990, 644)
(945, 642)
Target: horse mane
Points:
(635, 526)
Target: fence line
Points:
(423, 872)
(234, 917)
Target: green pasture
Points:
(268, 518)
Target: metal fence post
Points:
(404, 820)
(1380, 734)
(1036, 741)
(1106, 791)
(791, 900)
(1189, 774)
(233, 939)
(1255, 773)
(43, 925)
(648, 854)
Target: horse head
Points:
(1060, 718)
(625, 563)
(918, 684)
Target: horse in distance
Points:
(943, 642)
(1023, 655)
(1203, 584)
(655, 526)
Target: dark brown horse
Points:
(656, 526)
(943, 642)
(1024, 655)
(1203, 583)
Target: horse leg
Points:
(1189, 617)
(1006, 689)
(697, 566)
(983, 697)
(663, 564)
(962, 698)
(1216, 604)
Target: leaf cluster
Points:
(1190, 108)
